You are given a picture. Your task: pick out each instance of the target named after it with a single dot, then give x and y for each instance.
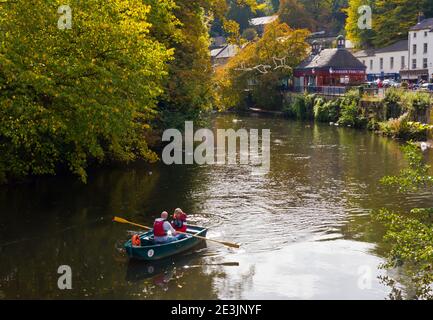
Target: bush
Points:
(403, 129)
(349, 114)
(392, 103)
(373, 125)
(302, 107)
(326, 111)
(249, 34)
(397, 102)
(421, 101)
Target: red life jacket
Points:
(158, 228)
(136, 240)
(179, 223)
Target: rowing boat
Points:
(149, 251)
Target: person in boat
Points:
(163, 232)
(179, 220)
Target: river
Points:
(305, 228)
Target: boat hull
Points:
(155, 252)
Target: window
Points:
(425, 34)
(414, 34)
(371, 64)
(403, 62)
(363, 62)
(425, 63)
(425, 47)
(381, 63)
(414, 49)
(414, 64)
(391, 62)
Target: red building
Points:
(330, 68)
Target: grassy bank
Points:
(401, 114)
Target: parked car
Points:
(414, 87)
(427, 87)
(390, 83)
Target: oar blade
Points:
(231, 245)
(120, 220)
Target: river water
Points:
(305, 227)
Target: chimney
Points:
(341, 42)
(421, 16)
(315, 48)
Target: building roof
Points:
(332, 58)
(402, 45)
(364, 53)
(263, 20)
(423, 25)
(227, 51)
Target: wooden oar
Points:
(228, 244)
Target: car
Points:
(427, 87)
(390, 83)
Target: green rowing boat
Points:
(149, 251)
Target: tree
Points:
(294, 14)
(240, 13)
(249, 34)
(316, 15)
(264, 64)
(232, 29)
(362, 38)
(393, 19)
(410, 234)
(428, 9)
(189, 90)
(74, 96)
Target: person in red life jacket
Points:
(163, 232)
(179, 220)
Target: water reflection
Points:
(305, 227)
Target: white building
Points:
(420, 52)
(260, 23)
(221, 56)
(385, 63)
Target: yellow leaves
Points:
(253, 4)
(232, 29)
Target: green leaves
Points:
(411, 235)
(70, 97)
(391, 20)
(253, 70)
(415, 177)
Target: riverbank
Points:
(401, 115)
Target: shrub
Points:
(392, 103)
(397, 128)
(349, 114)
(302, 107)
(415, 103)
(421, 101)
(373, 125)
(403, 129)
(249, 34)
(326, 111)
